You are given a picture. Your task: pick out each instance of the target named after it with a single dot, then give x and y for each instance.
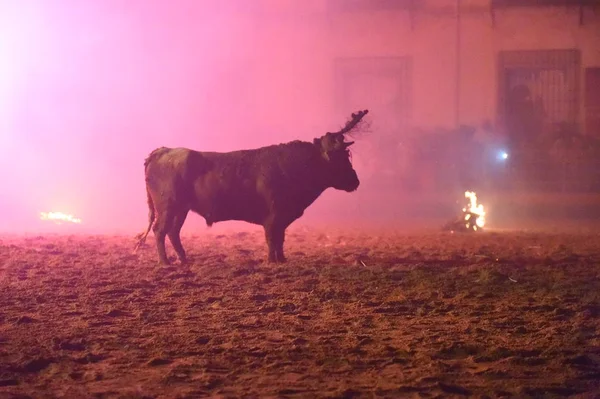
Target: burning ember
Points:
(472, 217)
(59, 217)
(474, 213)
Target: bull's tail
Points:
(141, 238)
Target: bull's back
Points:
(238, 185)
(218, 186)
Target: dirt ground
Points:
(352, 314)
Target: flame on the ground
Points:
(59, 217)
(473, 211)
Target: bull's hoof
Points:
(185, 262)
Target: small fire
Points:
(473, 211)
(59, 217)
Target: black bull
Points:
(269, 186)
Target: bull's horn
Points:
(356, 117)
(348, 144)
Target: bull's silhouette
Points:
(269, 186)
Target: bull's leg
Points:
(174, 235)
(163, 224)
(275, 235)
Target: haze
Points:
(88, 89)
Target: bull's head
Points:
(339, 172)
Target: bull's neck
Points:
(308, 194)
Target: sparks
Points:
(59, 217)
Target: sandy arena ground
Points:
(369, 314)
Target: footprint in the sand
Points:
(453, 389)
(288, 308)
(203, 340)
(159, 361)
(36, 365)
(8, 382)
(25, 320)
(66, 344)
(89, 358)
(458, 350)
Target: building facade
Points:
(450, 62)
(464, 62)
(527, 68)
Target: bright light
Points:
(474, 209)
(503, 155)
(59, 217)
